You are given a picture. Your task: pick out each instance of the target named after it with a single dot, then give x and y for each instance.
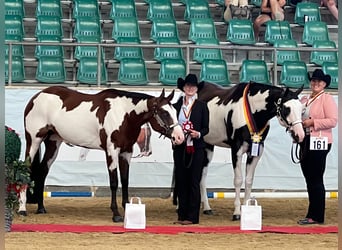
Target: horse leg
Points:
(251, 164)
(112, 158)
(204, 195)
(33, 153)
(238, 178)
(113, 177)
(113, 183)
(124, 161)
(203, 185)
(51, 149)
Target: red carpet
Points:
(60, 228)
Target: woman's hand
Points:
(194, 133)
(308, 123)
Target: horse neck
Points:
(143, 115)
(263, 105)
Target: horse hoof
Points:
(208, 212)
(236, 217)
(22, 213)
(41, 211)
(117, 218)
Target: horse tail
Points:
(32, 197)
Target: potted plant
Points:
(17, 175)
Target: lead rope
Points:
(295, 153)
(191, 158)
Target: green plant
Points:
(17, 172)
(12, 145)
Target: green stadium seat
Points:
(87, 51)
(201, 54)
(14, 28)
(132, 71)
(49, 28)
(286, 55)
(87, 71)
(198, 9)
(294, 74)
(203, 28)
(240, 31)
(319, 57)
(315, 30)
(49, 8)
(128, 52)
(254, 70)
(18, 71)
(50, 69)
(17, 50)
(164, 30)
(86, 8)
(159, 10)
(122, 8)
(277, 30)
(215, 71)
(169, 52)
(331, 68)
(14, 8)
(87, 30)
(307, 12)
(126, 30)
(49, 50)
(171, 70)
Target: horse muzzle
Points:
(297, 132)
(177, 135)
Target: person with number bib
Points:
(193, 116)
(319, 117)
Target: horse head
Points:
(289, 113)
(164, 117)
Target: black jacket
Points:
(199, 117)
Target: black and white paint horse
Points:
(239, 119)
(109, 120)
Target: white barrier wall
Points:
(275, 170)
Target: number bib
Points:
(318, 143)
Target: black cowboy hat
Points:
(190, 79)
(318, 74)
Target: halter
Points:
(162, 123)
(280, 115)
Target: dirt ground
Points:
(159, 211)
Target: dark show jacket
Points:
(199, 117)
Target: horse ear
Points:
(162, 95)
(170, 97)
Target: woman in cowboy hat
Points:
(319, 117)
(193, 116)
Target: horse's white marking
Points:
(218, 116)
(203, 183)
(114, 153)
(127, 156)
(257, 102)
(295, 117)
(177, 132)
(22, 200)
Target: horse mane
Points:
(121, 93)
(225, 94)
(233, 93)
